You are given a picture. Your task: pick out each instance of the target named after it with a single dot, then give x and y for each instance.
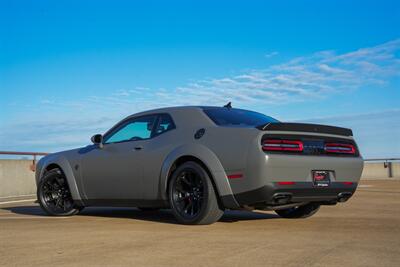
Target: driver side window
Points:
(136, 129)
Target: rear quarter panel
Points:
(230, 145)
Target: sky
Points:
(70, 69)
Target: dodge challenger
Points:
(201, 160)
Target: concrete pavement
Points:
(362, 232)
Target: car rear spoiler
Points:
(305, 127)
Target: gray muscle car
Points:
(199, 161)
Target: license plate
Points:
(321, 178)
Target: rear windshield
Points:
(237, 117)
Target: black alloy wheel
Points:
(188, 193)
(192, 196)
(54, 195)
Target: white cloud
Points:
(122, 93)
(316, 76)
(301, 79)
(272, 54)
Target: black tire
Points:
(192, 196)
(54, 195)
(299, 212)
(148, 209)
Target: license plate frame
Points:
(321, 178)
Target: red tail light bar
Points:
(340, 148)
(348, 183)
(282, 145)
(286, 183)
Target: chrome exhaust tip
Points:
(344, 196)
(282, 198)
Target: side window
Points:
(136, 129)
(165, 123)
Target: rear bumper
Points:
(274, 194)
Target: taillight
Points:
(286, 183)
(340, 148)
(347, 183)
(282, 145)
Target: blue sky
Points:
(69, 69)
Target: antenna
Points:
(229, 105)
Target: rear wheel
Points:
(299, 212)
(192, 195)
(54, 195)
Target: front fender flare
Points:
(66, 168)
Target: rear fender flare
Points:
(205, 155)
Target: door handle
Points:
(138, 147)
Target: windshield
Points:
(237, 117)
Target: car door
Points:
(115, 172)
(154, 154)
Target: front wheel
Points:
(192, 196)
(54, 196)
(299, 211)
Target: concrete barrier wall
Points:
(377, 170)
(16, 178)
(396, 169)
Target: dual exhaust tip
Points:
(344, 196)
(282, 198)
(285, 198)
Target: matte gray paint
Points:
(143, 174)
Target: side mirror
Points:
(97, 139)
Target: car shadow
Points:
(166, 216)
(26, 210)
(162, 216)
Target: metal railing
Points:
(383, 159)
(387, 164)
(32, 167)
